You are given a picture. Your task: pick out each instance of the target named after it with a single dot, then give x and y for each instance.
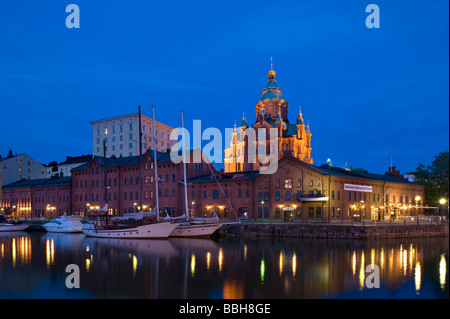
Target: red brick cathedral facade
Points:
(271, 112)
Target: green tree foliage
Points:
(435, 179)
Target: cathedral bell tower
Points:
(271, 112)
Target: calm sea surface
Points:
(33, 265)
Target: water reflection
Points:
(225, 268)
(442, 271)
(417, 277)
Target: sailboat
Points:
(137, 226)
(5, 226)
(198, 227)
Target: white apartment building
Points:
(63, 169)
(121, 135)
(22, 166)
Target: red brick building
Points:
(47, 197)
(301, 191)
(296, 191)
(123, 183)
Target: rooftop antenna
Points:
(155, 159)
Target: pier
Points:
(364, 230)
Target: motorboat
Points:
(6, 226)
(65, 224)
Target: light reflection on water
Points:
(32, 265)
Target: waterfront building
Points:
(123, 193)
(85, 188)
(301, 191)
(121, 135)
(271, 112)
(297, 190)
(22, 166)
(64, 168)
(44, 197)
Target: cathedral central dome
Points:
(272, 90)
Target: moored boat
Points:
(5, 226)
(148, 231)
(195, 229)
(65, 224)
(100, 225)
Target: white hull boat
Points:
(191, 229)
(5, 227)
(154, 230)
(65, 224)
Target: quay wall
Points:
(334, 231)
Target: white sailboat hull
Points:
(11, 227)
(156, 230)
(195, 230)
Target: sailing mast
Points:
(104, 180)
(184, 169)
(156, 166)
(140, 162)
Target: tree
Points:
(435, 179)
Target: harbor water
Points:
(35, 264)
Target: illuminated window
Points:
(288, 183)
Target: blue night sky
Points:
(363, 91)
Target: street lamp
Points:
(417, 199)
(442, 201)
